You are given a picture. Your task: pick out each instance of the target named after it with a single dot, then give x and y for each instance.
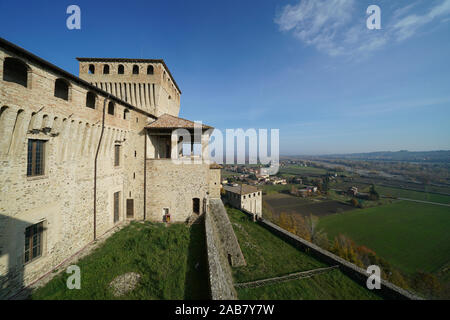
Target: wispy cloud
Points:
(338, 27)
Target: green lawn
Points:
(165, 257)
(327, 286)
(411, 236)
(269, 256)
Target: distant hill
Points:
(403, 155)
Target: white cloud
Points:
(334, 26)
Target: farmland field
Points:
(411, 236)
(396, 192)
(411, 194)
(279, 203)
(302, 170)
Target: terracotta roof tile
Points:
(242, 189)
(167, 121)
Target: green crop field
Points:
(411, 236)
(411, 194)
(269, 256)
(271, 188)
(294, 169)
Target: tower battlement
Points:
(144, 83)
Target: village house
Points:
(244, 197)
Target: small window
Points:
(33, 241)
(62, 89)
(106, 69)
(135, 69)
(90, 100)
(121, 69)
(14, 70)
(111, 108)
(135, 153)
(91, 69)
(117, 155)
(196, 205)
(126, 113)
(116, 206)
(150, 70)
(35, 157)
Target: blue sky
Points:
(310, 68)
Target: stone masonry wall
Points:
(174, 186)
(220, 277)
(63, 197)
(227, 236)
(155, 93)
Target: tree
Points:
(373, 194)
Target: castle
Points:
(81, 154)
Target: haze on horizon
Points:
(310, 68)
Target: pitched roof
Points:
(167, 121)
(242, 189)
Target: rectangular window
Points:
(130, 208)
(116, 206)
(116, 155)
(35, 158)
(33, 241)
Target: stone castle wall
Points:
(155, 93)
(185, 182)
(219, 270)
(63, 198)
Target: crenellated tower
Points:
(144, 83)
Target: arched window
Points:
(150, 69)
(15, 70)
(62, 89)
(111, 108)
(121, 69)
(91, 69)
(106, 69)
(135, 69)
(90, 100)
(126, 114)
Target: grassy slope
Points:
(411, 236)
(327, 286)
(266, 254)
(165, 258)
(269, 256)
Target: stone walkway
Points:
(292, 276)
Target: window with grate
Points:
(35, 157)
(33, 241)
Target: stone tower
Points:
(144, 83)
